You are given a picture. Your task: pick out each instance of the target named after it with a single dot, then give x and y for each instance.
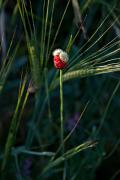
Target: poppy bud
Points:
(60, 59)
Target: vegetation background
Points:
(30, 127)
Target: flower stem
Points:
(62, 123)
(61, 111)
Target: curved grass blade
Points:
(14, 126)
(69, 154)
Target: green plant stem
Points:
(61, 120)
(61, 111)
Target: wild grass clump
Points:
(59, 123)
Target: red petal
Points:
(58, 63)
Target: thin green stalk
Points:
(45, 30)
(107, 107)
(62, 123)
(49, 33)
(42, 35)
(61, 110)
(13, 130)
(47, 95)
(58, 29)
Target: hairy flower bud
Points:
(60, 59)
